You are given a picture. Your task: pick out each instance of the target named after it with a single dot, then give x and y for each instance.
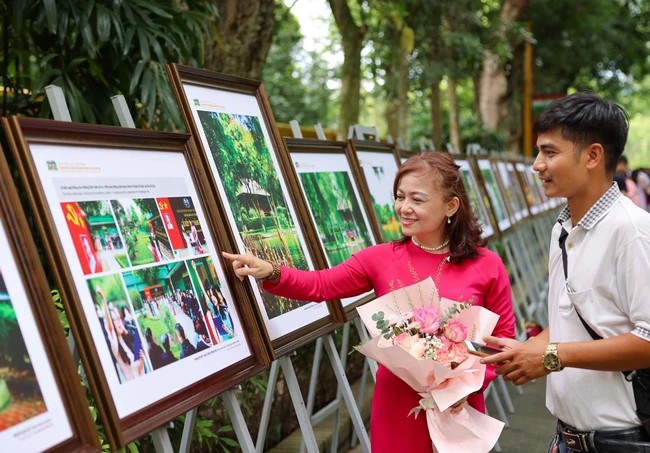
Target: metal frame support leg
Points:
(188, 431)
(344, 385)
(238, 423)
(161, 441)
(299, 404)
(268, 404)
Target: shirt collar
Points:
(597, 211)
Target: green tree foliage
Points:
(593, 44)
(96, 49)
(296, 80)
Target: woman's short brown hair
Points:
(464, 232)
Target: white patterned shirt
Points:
(608, 254)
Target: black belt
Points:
(632, 440)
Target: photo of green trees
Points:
(339, 221)
(20, 394)
(493, 193)
(473, 194)
(253, 191)
(380, 185)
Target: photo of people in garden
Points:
(143, 230)
(20, 394)
(380, 185)
(337, 213)
(218, 313)
(516, 188)
(474, 199)
(510, 190)
(116, 317)
(168, 312)
(493, 192)
(253, 191)
(95, 235)
(183, 227)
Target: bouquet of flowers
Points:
(421, 338)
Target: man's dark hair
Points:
(180, 331)
(586, 118)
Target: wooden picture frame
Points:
(58, 405)
(373, 164)
(336, 178)
(480, 203)
(236, 113)
(511, 190)
(63, 166)
(490, 187)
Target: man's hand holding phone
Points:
(518, 362)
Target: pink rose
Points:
(428, 319)
(445, 341)
(442, 355)
(458, 353)
(456, 331)
(418, 350)
(405, 341)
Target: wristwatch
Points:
(551, 360)
(273, 275)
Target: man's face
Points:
(556, 165)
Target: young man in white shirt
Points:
(606, 241)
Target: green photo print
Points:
(337, 214)
(255, 197)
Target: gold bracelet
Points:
(273, 275)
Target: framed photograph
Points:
(376, 167)
(511, 190)
(253, 180)
(474, 193)
(127, 229)
(492, 192)
(335, 203)
(533, 198)
(42, 404)
(545, 204)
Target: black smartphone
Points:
(480, 350)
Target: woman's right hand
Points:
(245, 265)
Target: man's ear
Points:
(595, 155)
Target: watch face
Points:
(551, 362)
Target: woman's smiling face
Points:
(421, 207)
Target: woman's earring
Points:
(448, 220)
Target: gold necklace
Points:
(427, 248)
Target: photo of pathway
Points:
(143, 230)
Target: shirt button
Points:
(570, 244)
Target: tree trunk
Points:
(454, 121)
(352, 41)
(494, 85)
(436, 114)
(392, 119)
(476, 102)
(246, 30)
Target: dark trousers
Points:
(567, 439)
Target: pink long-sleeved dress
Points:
(390, 266)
